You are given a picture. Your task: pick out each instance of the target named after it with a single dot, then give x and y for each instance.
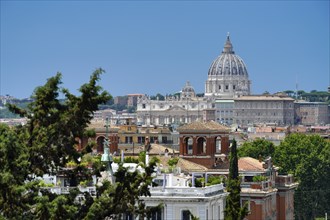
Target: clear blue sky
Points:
(155, 47)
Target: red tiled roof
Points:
(249, 164)
(204, 126)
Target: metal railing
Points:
(186, 191)
(66, 190)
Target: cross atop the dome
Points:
(228, 48)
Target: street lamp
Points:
(106, 156)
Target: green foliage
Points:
(316, 96)
(142, 157)
(54, 125)
(199, 182)
(312, 96)
(173, 161)
(193, 217)
(46, 144)
(6, 113)
(307, 157)
(84, 183)
(258, 149)
(89, 133)
(113, 200)
(71, 163)
(158, 95)
(13, 173)
(290, 93)
(131, 109)
(233, 167)
(259, 178)
(233, 210)
(213, 180)
(126, 160)
(43, 184)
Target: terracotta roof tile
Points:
(205, 126)
(189, 166)
(249, 164)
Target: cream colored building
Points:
(264, 109)
(227, 78)
(174, 109)
(180, 199)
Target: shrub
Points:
(259, 178)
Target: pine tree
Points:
(46, 144)
(233, 210)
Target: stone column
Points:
(182, 146)
(195, 145)
(224, 145)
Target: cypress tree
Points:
(233, 168)
(233, 210)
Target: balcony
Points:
(65, 190)
(285, 181)
(263, 185)
(187, 191)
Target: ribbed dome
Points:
(227, 76)
(228, 63)
(188, 87)
(188, 90)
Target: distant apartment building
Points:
(264, 109)
(224, 113)
(103, 114)
(267, 194)
(208, 115)
(311, 113)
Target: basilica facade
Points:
(181, 109)
(227, 78)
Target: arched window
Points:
(189, 145)
(100, 142)
(218, 145)
(201, 145)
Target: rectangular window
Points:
(227, 87)
(185, 215)
(234, 87)
(143, 105)
(156, 214)
(164, 140)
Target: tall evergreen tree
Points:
(233, 210)
(45, 144)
